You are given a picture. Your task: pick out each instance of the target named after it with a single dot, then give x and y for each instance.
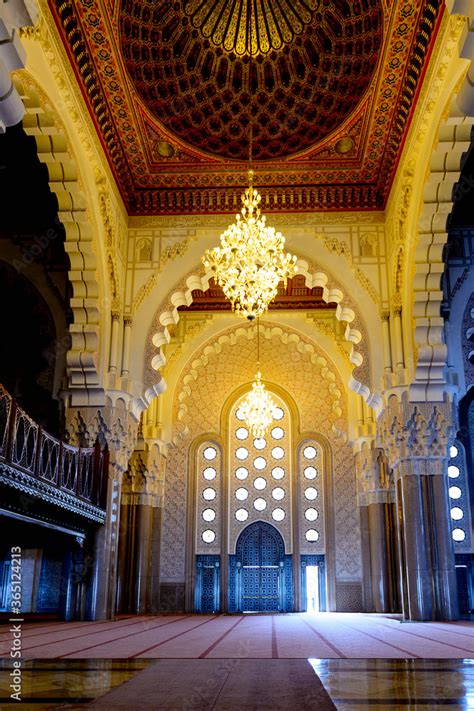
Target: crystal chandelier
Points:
(251, 262)
(258, 408)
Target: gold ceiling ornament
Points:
(258, 408)
(251, 262)
(250, 27)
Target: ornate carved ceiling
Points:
(327, 86)
(295, 295)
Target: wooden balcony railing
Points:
(80, 472)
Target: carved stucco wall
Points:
(295, 364)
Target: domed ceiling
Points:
(325, 87)
(210, 69)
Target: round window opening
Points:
(210, 453)
(208, 536)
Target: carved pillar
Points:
(117, 430)
(138, 586)
(375, 499)
(417, 436)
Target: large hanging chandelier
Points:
(258, 408)
(251, 262)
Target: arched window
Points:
(310, 495)
(209, 498)
(260, 487)
(459, 498)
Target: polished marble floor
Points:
(286, 636)
(253, 684)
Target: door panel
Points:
(260, 553)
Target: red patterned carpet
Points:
(297, 636)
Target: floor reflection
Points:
(420, 684)
(352, 684)
(66, 684)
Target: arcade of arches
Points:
(127, 476)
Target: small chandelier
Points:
(258, 408)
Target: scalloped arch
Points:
(344, 313)
(231, 338)
(53, 150)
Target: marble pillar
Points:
(142, 558)
(417, 437)
(104, 575)
(379, 557)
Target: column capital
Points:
(112, 426)
(416, 430)
(144, 480)
(373, 475)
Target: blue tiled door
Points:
(259, 568)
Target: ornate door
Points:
(207, 583)
(260, 557)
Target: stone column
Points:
(127, 335)
(375, 494)
(114, 339)
(142, 497)
(417, 435)
(117, 430)
(104, 576)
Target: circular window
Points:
(240, 415)
(309, 452)
(209, 473)
(278, 473)
(278, 453)
(260, 504)
(208, 536)
(278, 413)
(458, 535)
(457, 513)
(260, 483)
(453, 472)
(260, 463)
(259, 443)
(311, 514)
(312, 535)
(241, 494)
(210, 453)
(310, 472)
(311, 493)
(242, 453)
(209, 494)
(278, 493)
(278, 514)
(455, 492)
(453, 451)
(278, 433)
(241, 433)
(241, 473)
(209, 515)
(241, 514)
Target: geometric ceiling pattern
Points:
(326, 89)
